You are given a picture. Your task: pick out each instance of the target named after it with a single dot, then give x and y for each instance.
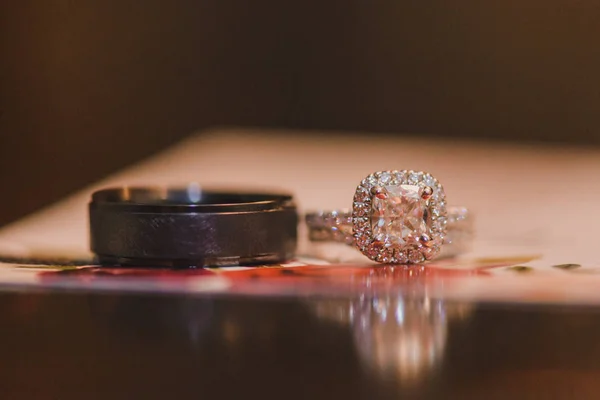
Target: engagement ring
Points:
(397, 217)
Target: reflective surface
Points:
(140, 346)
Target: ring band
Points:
(336, 226)
(397, 217)
(189, 227)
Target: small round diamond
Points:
(385, 178)
(331, 220)
(361, 195)
(359, 209)
(440, 223)
(385, 256)
(438, 194)
(360, 224)
(361, 241)
(369, 181)
(400, 257)
(415, 256)
(414, 177)
(430, 252)
(399, 177)
(373, 251)
(430, 181)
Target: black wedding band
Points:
(189, 227)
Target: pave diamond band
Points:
(397, 217)
(336, 226)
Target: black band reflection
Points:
(152, 318)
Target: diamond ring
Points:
(397, 217)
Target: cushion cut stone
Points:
(400, 216)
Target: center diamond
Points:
(399, 215)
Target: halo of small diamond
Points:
(361, 223)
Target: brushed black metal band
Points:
(187, 227)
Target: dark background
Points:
(87, 87)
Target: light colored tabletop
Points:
(528, 199)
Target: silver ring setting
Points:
(397, 217)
